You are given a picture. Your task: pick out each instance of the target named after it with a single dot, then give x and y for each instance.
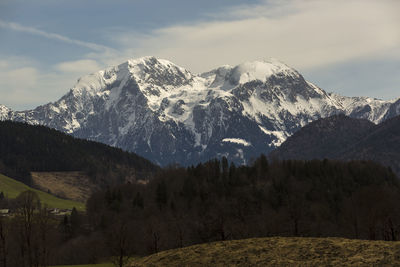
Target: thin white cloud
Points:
(306, 34)
(25, 83)
(20, 28)
(17, 82)
(24, 77)
(3, 64)
(84, 66)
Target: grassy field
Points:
(70, 185)
(12, 188)
(280, 251)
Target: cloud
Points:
(84, 66)
(304, 34)
(20, 28)
(16, 83)
(25, 83)
(25, 77)
(3, 64)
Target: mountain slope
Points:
(381, 145)
(25, 148)
(323, 138)
(341, 137)
(167, 114)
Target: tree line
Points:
(216, 201)
(26, 148)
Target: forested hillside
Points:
(25, 148)
(323, 138)
(381, 145)
(216, 201)
(343, 138)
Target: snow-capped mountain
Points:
(4, 112)
(167, 114)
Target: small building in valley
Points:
(4, 212)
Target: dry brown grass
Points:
(280, 251)
(70, 185)
(12, 188)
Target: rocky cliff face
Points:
(167, 114)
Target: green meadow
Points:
(12, 188)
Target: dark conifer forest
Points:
(25, 148)
(209, 202)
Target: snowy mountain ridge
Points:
(164, 112)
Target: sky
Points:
(350, 47)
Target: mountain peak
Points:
(158, 71)
(260, 70)
(4, 112)
(152, 62)
(161, 111)
(148, 61)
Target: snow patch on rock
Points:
(238, 141)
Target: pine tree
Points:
(161, 194)
(138, 201)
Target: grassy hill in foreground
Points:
(286, 251)
(88, 265)
(12, 188)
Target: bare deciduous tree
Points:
(28, 203)
(3, 242)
